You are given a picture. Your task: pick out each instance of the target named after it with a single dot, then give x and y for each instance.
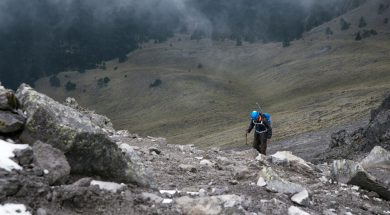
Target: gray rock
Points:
(296, 211)
(210, 205)
(301, 198)
(8, 101)
(53, 160)
(350, 172)
(10, 122)
(24, 156)
(187, 167)
(275, 183)
(83, 182)
(9, 186)
(84, 141)
(151, 197)
(286, 158)
(41, 211)
(155, 150)
(377, 163)
(339, 138)
(241, 173)
(205, 162)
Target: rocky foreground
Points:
(62, 159)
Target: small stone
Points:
(167, 201)
(205, 162)
(189, 168)
(233, 182)
(292, 210)
(301, 198)
(261, 182)
(41, 211)
(155, 150)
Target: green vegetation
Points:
(362, 22)
(55, 81)
(103, 82)
(344, 25)
(382, 8)
(358, 37)
(328, 31)
(70, 86)
(285, 43)
(156, 83)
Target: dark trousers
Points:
(260, 143)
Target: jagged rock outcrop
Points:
(10, 119)
(372, 173)
(353, 145)
(378, 130)
(86, 144)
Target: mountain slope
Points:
(208, 87)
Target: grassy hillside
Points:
(208, 88)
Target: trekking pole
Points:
(246, 138)
(259, 107)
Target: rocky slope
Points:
(63, 159)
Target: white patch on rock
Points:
(7, 152)
(261, 182)
(169, 192)
(301, 198)
(287, 158)
(109, 186)
(199, 158)
(167, 201)
(45, 171)
(205, 162)
(292, 210)
(14, 209)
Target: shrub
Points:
(55, 81)
(286, 43)
(344, 24)
(115, 68)
(70, 86)
(200, 66)
(238, 42)
(122, 58)
(81, 70)
(156, 83)
(328, 31)
(386, 20)
(103, 82)
(382, 8)
(358, 37)
(362, 22)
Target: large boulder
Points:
(85, 143)
(10, 122)
(53, 161)
(275, 183)
(375, 178)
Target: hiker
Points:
(263, 131)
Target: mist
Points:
(44, 37)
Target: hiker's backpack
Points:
(268, 117)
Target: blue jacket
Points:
(261, 126)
